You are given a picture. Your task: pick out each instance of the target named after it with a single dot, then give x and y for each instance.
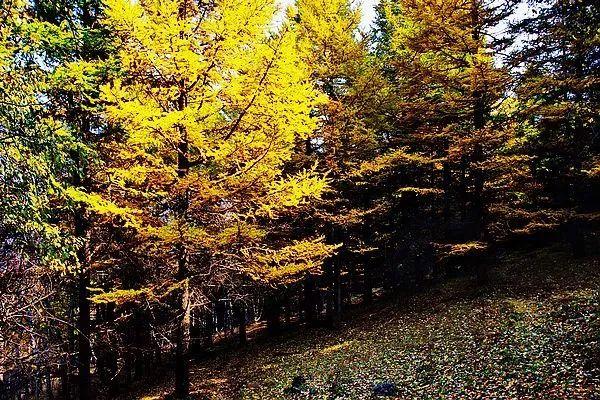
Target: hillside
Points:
(533, 334)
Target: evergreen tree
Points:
(341, 66)
(34, 152)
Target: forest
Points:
(257, 199)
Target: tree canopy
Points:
(173, 171)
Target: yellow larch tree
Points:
(453, 107)
(211, 99)
(342, 67)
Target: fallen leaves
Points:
(534, 335)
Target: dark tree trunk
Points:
(49, 388)
(479, 118)
(273, 314)
(309, 300)
(65, 382)
(462, 195)
(576, 237)
(83, 317)
(241, 320)
(320, 305)
(337, 295)
(478, 199)
(447, 182)
(209, 328)
(141, 342)
(83, 327)
(64, 372)
(195, 333)
(482, 272)
(367, 286)
(481, 264)
(287, 309)
(182, 332)
(333, 275)
(106, 365)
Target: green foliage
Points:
(34, 148)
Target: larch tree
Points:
(451, 114)
(558, 80)
(338, 56)
(211, 99)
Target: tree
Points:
(451, 120)
(72, 49)
(33, 147)
(210, 103)
(342, 68)
(557, 70)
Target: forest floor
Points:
(533, 333)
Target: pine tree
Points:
(33, 145)
(73, 45)
(34, 149)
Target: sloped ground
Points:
(533, 334)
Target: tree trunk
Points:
(479, 118)
(367, 282)
(309, 300)
(83, 327)
(462, 187)
(241, 319)
(320, 305)
(182, 332)
(337, 311)
(195, 333)
(83, 317)
(141, 341)
(478, 200)
(65, 381)
(482, 272)
(287, 301)
(447, 182)
(576, 237)
(49, 388)
(106, 365)
(273, 314)
(209, 327)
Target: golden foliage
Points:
(391, 160)
(289, 263)
(212, 101)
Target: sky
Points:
(368, 10)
